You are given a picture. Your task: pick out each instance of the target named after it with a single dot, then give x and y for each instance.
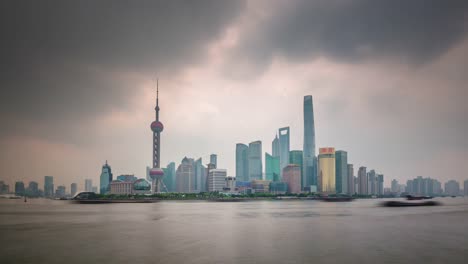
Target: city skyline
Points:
(399, 110)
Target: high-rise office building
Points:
(19, 188)
(351, 183)
(380, 184)
(60, 192)
(327, 173)
(48, 186)
(214, 160)
(309, 160)
(292, 176)
(106, 178)
(200, 176)
(88, 185)
(272, 168)
(296, 157)
(73, 189)
(184, 176)
(284, 147)
(362, 180)
(275, 147)
(255, 160)
(170, 177)
(242, 162)
(372, 182)
(452, 188)
(33, 189)
(216, 180)
(395, 187)
(341, 158)
(465, 187)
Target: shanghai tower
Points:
(309, 158)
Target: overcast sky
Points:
(388, 79)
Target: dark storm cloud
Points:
(58, 57)
(350, 31)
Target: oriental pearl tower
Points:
(156, 173)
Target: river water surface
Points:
(47, 231)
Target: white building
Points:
(216, 180)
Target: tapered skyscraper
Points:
(309, 160)
(156, 173)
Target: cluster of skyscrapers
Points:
(285, 171)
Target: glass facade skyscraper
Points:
(283, 147)
(296, 157)
(275, 147)
(242, 163)
(309, 160)
(272, 168)
(327, 174)
(106, 178)
(169, 177)
(48, 186)
(341, 158)
(255, 160)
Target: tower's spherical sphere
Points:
(156, 173)
(157, 126)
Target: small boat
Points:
(411, 197)
(337, 199)
(406, 204)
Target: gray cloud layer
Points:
(61, 59)
(352, 31)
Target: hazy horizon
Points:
(388, 80)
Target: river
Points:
(48, 231)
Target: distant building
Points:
(295, 157)
(278, 187)
(423, 186)
(121, 187)
(141, 186)
(309, 170)
(261, 186)
(127, 178)
(395, 187)
(341, 171)
(351, 183)
(48, 186)
(380, 184)
(106, 178)
(73, 189)
(170, 177)
(216, 180)
(292, 176)
(19, 188)
(272, 168)
(284, 147)
(33, 189)
(452, 188)
(465, 187)
(184, 176)
(275, 147)
(60, 192)
(4, 188)
(327, 173)
(200, 175)
(242, 162)
(94, 189)
(214, 160)
(362, 181)
(243, 186)
(88, 185)
(371, 182)
(230, 185)
(255, 160)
